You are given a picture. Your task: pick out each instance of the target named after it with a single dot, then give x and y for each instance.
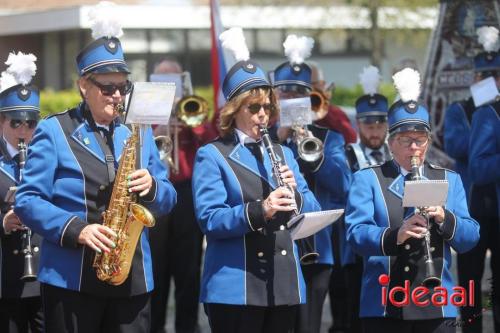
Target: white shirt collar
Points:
(106, 127)
(244, 138)
(10, 148)
(404, 172)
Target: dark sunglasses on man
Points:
(16, 123)
(110, 89)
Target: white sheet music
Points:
(295, 111)
(484, 91)
(307, 224)
(150, 103)
(425, 193)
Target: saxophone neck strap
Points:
(108, 156)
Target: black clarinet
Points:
(27, 249)
(306, 246)
(431, 279)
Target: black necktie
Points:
(377, 155)
(108, 135)
(254, 148)
(408, 211)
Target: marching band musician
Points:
(390, 238)
(484, 149)
(372, 149)
(67, 184)
(328, 175)
(252, 281)
(20, 302)
(177, 244)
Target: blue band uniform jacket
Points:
(66, 186)
(248, 261)
(11, 255)
(484, 147)
(357, 158)
(374, 214)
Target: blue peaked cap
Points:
(487, 61)
(372, 108)
(288, 74)
(243, 76)
(20, 102)
(104, 55)
(409, 116)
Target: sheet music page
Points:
(484, 91)
(295, 111)
(307, 224)
(175, 78)
(425, 193)
(150, 103)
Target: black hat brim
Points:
(372, 119)
(410, 127)
(111, 68)
(22, 115)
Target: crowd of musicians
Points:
(235, 179)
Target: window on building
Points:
(167, 41)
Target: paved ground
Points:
(327, 320)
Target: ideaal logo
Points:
(418, 296)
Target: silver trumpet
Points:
(310, 148)
(431, 279)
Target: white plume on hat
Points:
(370, 80)
(298, 49)
(234, 41)
(21, 70)
(104, 20)
(7, 80)
(407, 83)
(488, 37)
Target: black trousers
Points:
(344, 289)
(176, 252)
(68, 311)
(470, 265)
(21, 315)
(391, 325)
(317, 278)
(224, 318)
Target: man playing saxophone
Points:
(20, 302)
(67, 184)
(390, 238)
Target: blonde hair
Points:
(228, 112)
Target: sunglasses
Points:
(406, 141)
(16, 123)
(255, 107)
(110, 89)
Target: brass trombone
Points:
(191, 111)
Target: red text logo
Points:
(459, 297)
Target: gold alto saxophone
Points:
(125, 217)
